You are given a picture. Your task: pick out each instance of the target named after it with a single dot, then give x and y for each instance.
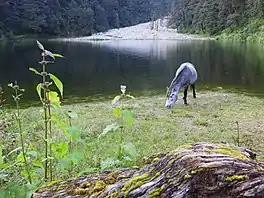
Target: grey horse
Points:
(185, 76)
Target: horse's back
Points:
(190, 66)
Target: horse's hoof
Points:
(186, 104)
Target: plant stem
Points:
(238, 134)
(121, 141)
(45, 119)
(21, 139)
(50, 136)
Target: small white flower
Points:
(123, 88)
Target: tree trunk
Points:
(200, 170)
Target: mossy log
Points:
(199, 170)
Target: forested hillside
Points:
(83, 17)
(75, 17)
(214, 16)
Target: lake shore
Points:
(211, 117)
(214, 117)
(156, 30)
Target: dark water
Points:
(96, 70)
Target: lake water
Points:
(95, 70)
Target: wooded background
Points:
(83, 17)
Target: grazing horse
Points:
(185, 76)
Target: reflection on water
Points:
(93, 69)
(140, 48)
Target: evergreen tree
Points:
(76, 17)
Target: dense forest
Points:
(75, 17)
(84, 17)
(214, 16)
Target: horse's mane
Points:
(175, 80)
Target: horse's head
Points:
(172, 97)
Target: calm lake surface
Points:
(95, 70)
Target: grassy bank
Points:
(253, 31)
(211, 117)
(214, 116)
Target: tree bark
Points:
(200, 170)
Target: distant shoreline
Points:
(154, 30)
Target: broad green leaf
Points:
(73, 132)
(111, 127)
(61, 149)
(117, 112)
(76, 156)
(20, 158)
(38, 171)
(126, 158)
(40, 46)
(38, 88)
(34, 70)
(24, 173)
(37, 164)
(58, 55)
(30, 189)
(109, 163)
(115, 99)
(32, 153)
(10, 85)
(129, 149)
(64, 164)
(128, 117)
(5, 165)
(58, 83)
(54, 98)
(50, 54)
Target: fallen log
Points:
(200, 170)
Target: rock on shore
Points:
(153, 30)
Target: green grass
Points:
(210, 117)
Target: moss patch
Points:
(135, 180)
(193, 172)
(91, 188)
(48, 185)
(227, 150)
(187, 176)
(155, 193)
(156, 159)
(60, 187)
(236, 177)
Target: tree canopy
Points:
(213, 16)
(75, 17)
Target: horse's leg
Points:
(185, 95)
(193, 88)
